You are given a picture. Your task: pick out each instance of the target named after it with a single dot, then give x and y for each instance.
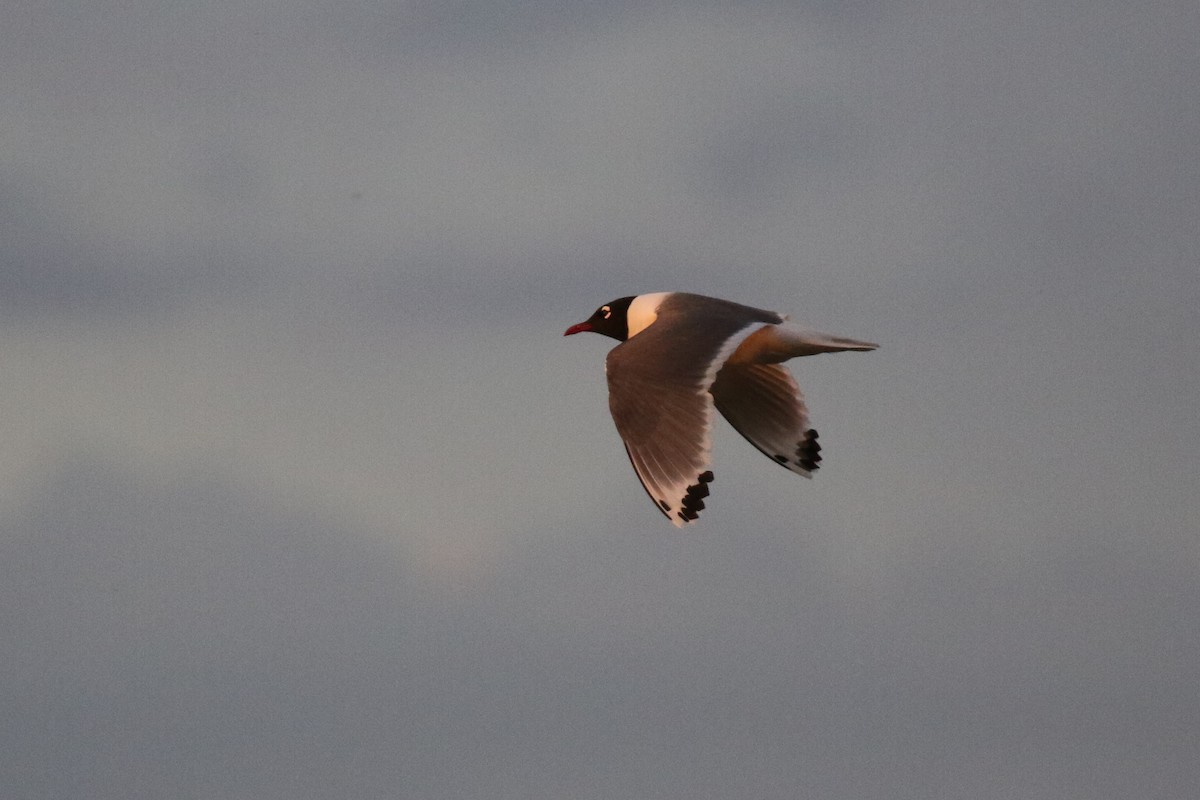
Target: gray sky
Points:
(304, 495)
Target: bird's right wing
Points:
(764, 404)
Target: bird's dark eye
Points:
(606, 311)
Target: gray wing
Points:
(661, 405)
(764, 404)
(666, 428)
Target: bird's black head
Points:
(610, 319)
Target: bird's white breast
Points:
(643, 311)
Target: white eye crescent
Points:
(607, 311)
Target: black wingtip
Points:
(808, 451)
(693, 500)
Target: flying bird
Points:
(683, 355)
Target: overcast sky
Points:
(304, 495)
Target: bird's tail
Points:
(772, 344)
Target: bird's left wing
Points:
(660, 402)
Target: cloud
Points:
(176, 635)
(304, 494)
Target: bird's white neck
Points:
(643, 311)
